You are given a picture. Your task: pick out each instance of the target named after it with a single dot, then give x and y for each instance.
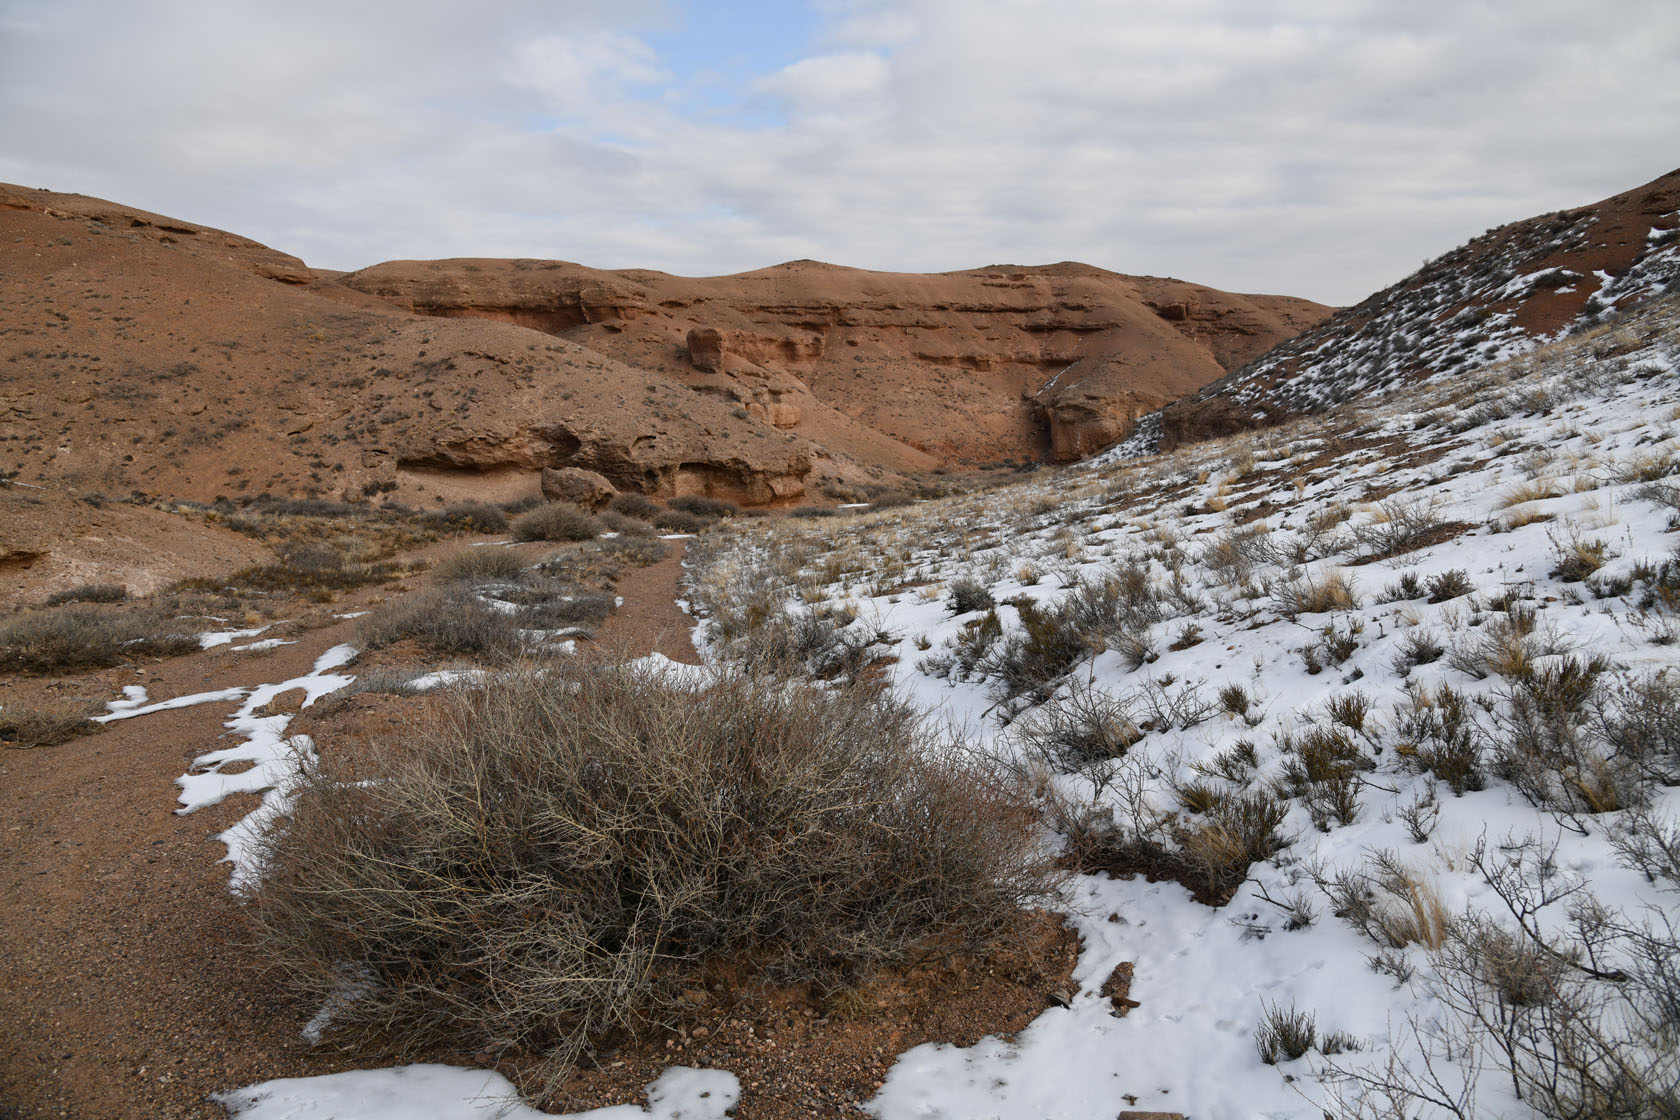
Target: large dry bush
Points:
(558, 855)
(557, 521)
(75, 637)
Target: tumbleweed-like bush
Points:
(559, 855)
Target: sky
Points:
(1317, 148)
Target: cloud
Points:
(1302, 146)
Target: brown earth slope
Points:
(1497, 295)
(141, 353)
(996, 363)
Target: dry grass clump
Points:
(1389, 902)
(680, 521)
(89, 593)
(1330, 591)
(45, 726)
(1283, 1036)
(1536, 490)
(632, 504)
(557, 521)
(466, 517)
(553, 857)
(316, 571)
(82, 636)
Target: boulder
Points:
(578, 486)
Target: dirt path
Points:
(650, 620)
(126, 988)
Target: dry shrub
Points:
(1085, 727)
(556, 521)
(1400, 525)
(316, 571)
(45, 726)
(969, 594)
(466, 517)
(1550, 746)
(1331, 591)
(632, 504)
(1435, 734)
(76, 637)
(680, 521)
(448, 620)
(705, 507)
(89, 593)
(554, 856)
(622, 523)
(480, 565)
(1234, 832)
(1030, 661)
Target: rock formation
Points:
(966, 367)
(142, 353)
(577, 486)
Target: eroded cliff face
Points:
(170, 358)
(904, 370)
(158, 356)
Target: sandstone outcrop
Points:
(966, 367)
(148, 354)
(577, 486)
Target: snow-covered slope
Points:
(1500, 294)
(1418, 661)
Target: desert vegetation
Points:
(553, 856)
(1390, 673)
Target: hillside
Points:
(1500, 294)
(146, 354)
(1360, 730)
(962, 368)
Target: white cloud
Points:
(1303, 146)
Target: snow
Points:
(1559, 448)
(1587, 424)
(270, 757)
(446, 678)
(266, 643)
(437, 1092)
(214, 638)
(134, 702)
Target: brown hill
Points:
(1500, 294)
(143, 353)
(996, 363)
